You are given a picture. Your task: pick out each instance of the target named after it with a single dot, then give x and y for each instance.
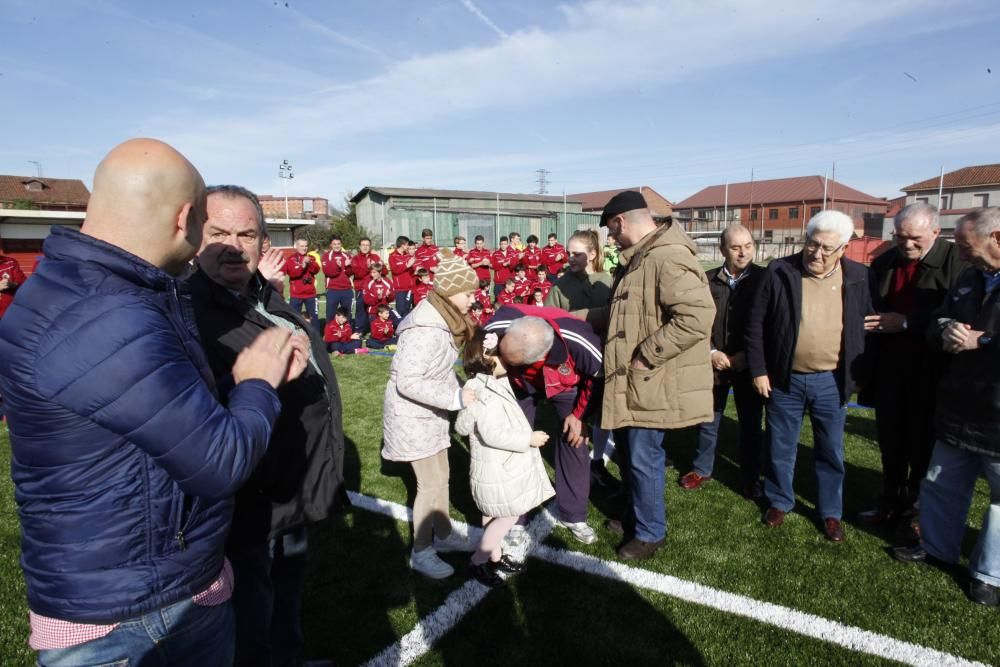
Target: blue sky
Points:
(478, 94)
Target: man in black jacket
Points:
(732, 286)
(967, 420)
(300, 479)
(908, 284)
(805, 341)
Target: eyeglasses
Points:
(826, 251)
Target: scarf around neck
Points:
(459, 325)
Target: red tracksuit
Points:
(337, 333)
(483, 297)
(402, 276)
(301, 271)
(10, 269)
(532, 260)
(458, 252)
(361, 268)
(376, 293)
(503, 264)
(554, 257)
(476, 256)
(337, 269)
(506, 298)
(382, 330)
(420, 291)
(523, 287)
(543, 285)
(427, 257)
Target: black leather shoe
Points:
(508, 565)
(636, 549)
(615, 527)
(486, 574)
(910, 554)
(983, 593)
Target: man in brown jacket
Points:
(658, 373)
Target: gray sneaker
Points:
(516, 536)
(581, 531)
(454, 542)
(427, 563)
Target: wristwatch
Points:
(985, 339)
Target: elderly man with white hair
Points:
(908, 284)
(808, 359)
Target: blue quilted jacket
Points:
(124, 461)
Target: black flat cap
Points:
(629, 200)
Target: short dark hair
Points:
(553, 236)
(375, 266)
(532, 239)
(476, 306)
(519, 267)
(364, 238)
(425, 233)
(336, 237)
(459, 238)
(475, 359)
(504, 238)
(509, 281)
(483, 284)
(517, 234)
(479, 237)
(383, 308)
(342, 311)
(421, 272)
(401, 241)
(541, 269)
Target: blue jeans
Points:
(267, 601)
(749, 410)
(641, 459)
(945, 496)
(179, 634)
(817, 394)
(338, 298)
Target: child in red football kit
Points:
(483, 296)
(509, 294)
(522, 284)
(339, 337)
(542, 282)
(377, 291)
(425, 283)
(477, 314)
(383, 329)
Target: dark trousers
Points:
(360, 313)
(402, 304)
(338, 298)
(572, 463)
(904, 423)
(344, 348)
(267, 600)
(310, 305)
(749, 410)
(376, 344)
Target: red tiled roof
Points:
(54, 191)
(895, 205)
(967, 177)
(776, 191)
(595, 201)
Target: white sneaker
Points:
(581, 531)
(428, 563)
(454, 542)
(516, 536)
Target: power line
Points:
(543, 181)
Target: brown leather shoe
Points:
(833, 530)
(636, 549)
(693, 480)
(774, 517)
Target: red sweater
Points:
(420, 291)
(301, 271)
(382, 329)
(10, 269)
(402, 276)
(376, 293)
(361, 268)
(476, 256)
(554, 257)
(337, 333)
(503, 263)
(337, 269)
(532, 260)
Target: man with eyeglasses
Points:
(908, 284)
(807, 358)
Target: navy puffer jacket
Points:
(124, 461)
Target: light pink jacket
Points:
(422, 387)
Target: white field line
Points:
(430, 629)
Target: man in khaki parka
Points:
(658, 373)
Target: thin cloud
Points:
(339, 37)
(468, 4)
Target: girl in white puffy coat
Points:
(507, 475)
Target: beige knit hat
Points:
(454, 276)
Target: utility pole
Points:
(543, 181)
(286, 172)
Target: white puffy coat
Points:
(422, 387)
(507, 475)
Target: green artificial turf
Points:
(361, 596)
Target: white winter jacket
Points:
(422, 387)
(506, 473)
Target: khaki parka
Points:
(660, 308)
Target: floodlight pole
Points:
(285, 173)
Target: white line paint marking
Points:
(429, 630)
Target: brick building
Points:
(307, 208)
(777, 210)
(961, 191)
(30, 205)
